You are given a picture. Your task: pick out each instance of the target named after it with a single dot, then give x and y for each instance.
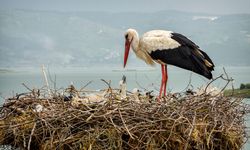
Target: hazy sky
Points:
(209, 6)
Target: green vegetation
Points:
(243, 91)
(245, 86)
(5, 71)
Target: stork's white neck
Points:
(135, 42)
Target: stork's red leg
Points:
(163, 81)
(166, 80)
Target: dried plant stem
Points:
(46, 80)
(32, 132)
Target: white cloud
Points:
(100, 31)
(210, 18)
(48, 43)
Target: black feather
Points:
(183, 57)
(208, 59)
(187, 56)
(184, 41)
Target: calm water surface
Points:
(11, 82)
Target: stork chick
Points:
(123, 87)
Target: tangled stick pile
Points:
(182, 121)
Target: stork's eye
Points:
(126, 36)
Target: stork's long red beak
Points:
(127, 47)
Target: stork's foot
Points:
(159, 99)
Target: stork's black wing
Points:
(187, 56)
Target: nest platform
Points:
(181, 121)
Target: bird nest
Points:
(36, 120)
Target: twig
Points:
(125, 124)
(46, 80)
(27, 87)
(226, 79)
(32, 132)
(212, 82)
(51, 80)
(85, 85)
(108, 83)
(191, 130)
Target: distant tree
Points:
(242, 86)
(247, 86)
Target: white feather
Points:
(157, 40)
(150, 41)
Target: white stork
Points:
(167, 47)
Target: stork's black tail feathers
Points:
(193, 58)
(203, 63)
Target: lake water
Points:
(149, 78)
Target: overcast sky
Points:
(209, 6)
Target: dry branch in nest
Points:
(181, 121)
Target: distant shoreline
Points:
(244, 93)
(131, 70)
(6, 71)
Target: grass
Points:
(244, 93)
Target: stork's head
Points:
(130, 35)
